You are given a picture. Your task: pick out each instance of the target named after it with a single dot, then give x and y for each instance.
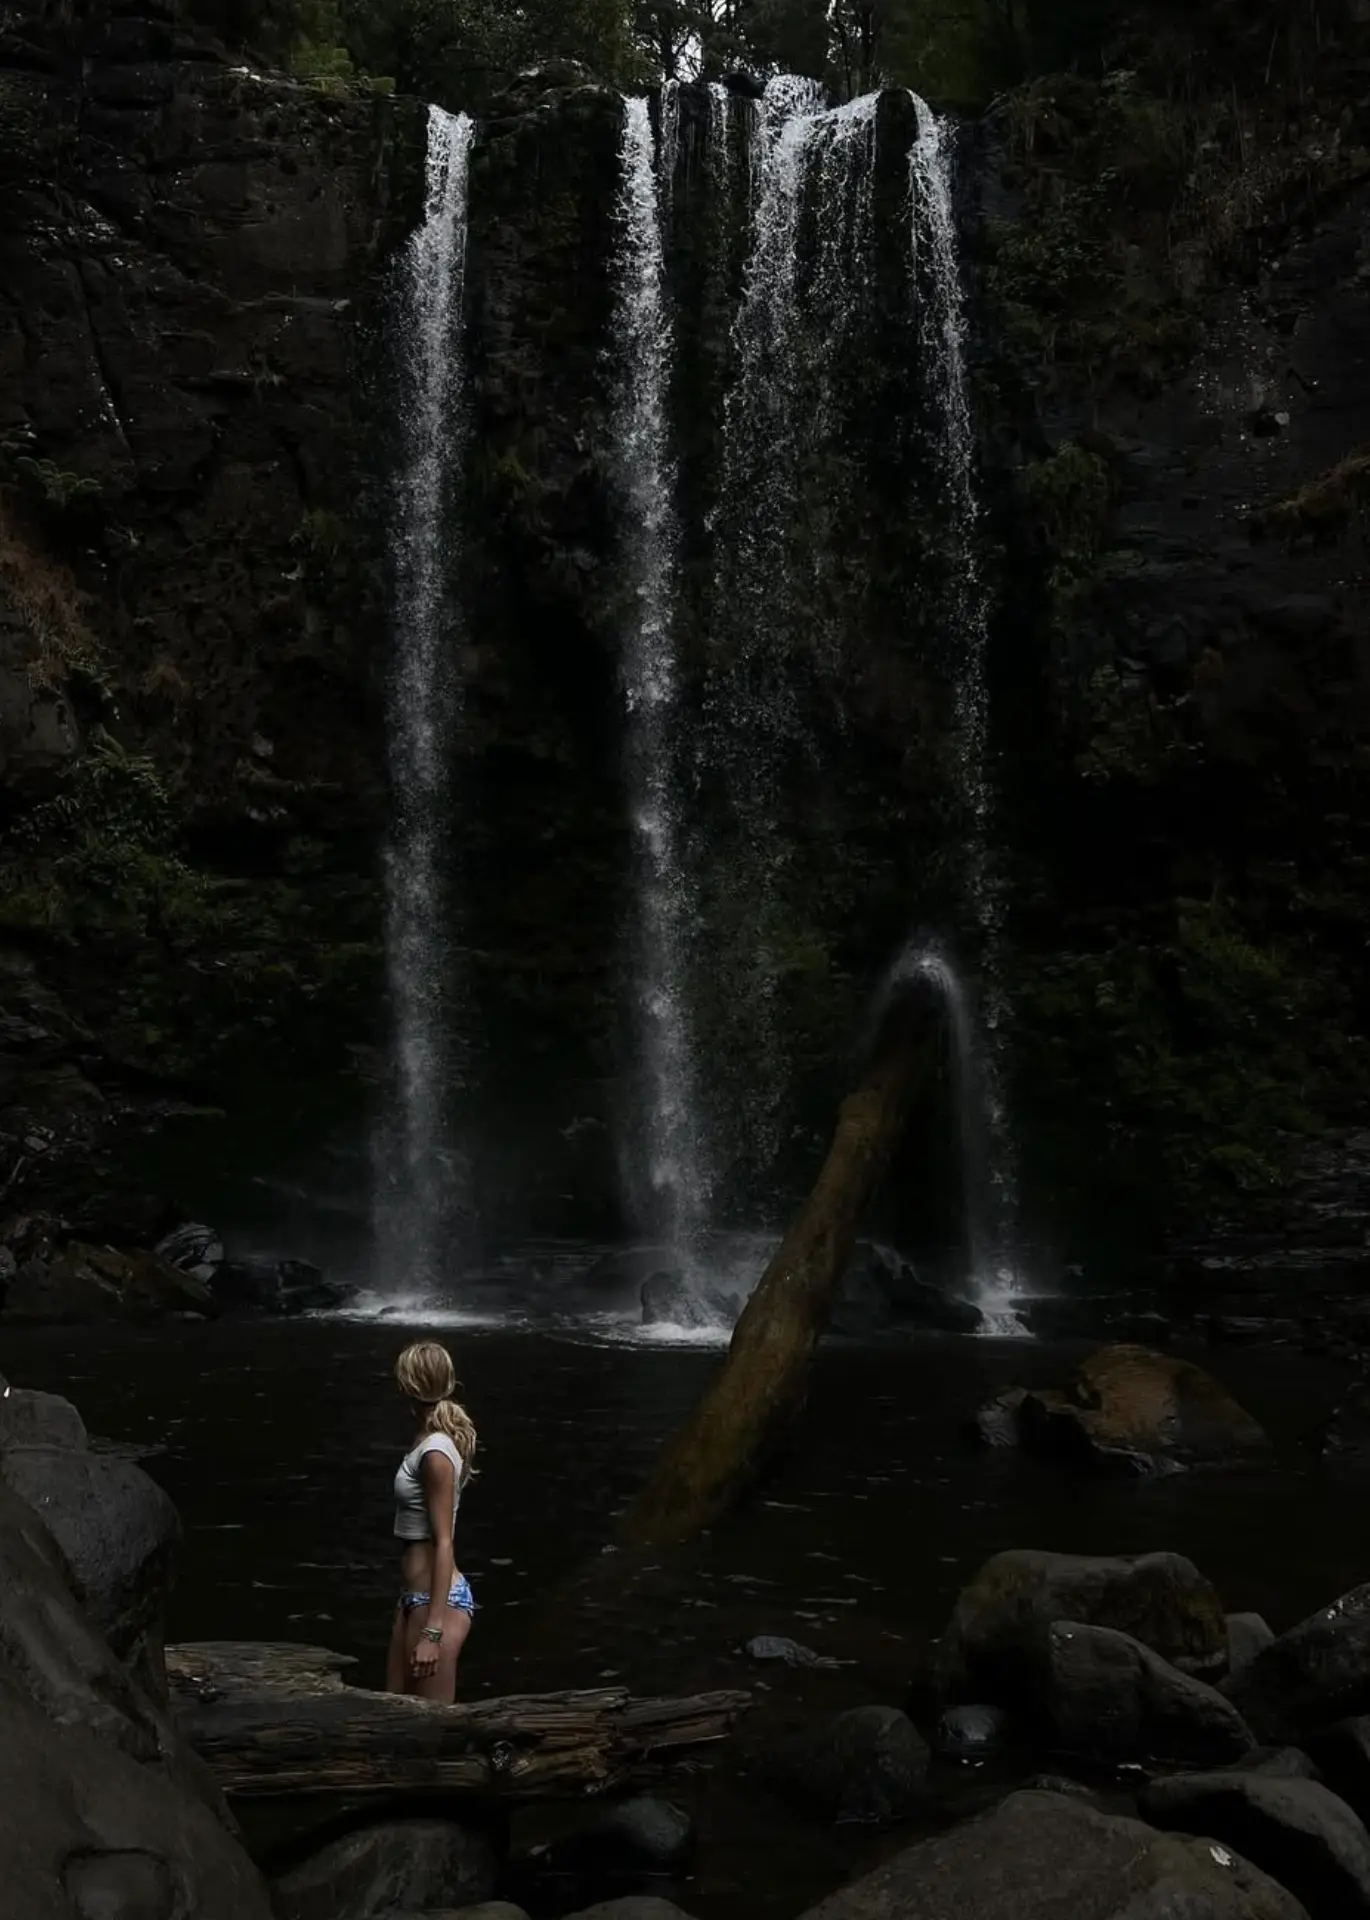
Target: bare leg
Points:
(397, 1656)
(443, 1684)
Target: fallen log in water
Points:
(274, 1719)
(761, 1386)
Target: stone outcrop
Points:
(996, 1639)
(1040, 1855)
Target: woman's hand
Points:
(424, 1659)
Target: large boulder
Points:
(1341, 1754)
(29, 1418)
(643, 1835)
(1247, 1635)
(90, 1834)
(1106, 1697)
(1295, 1830)
(1130, 1409)
(118, 1532)
(100, 1797)
(409, 1864)
(1049, 1856)
(994, 1642)
(83, 1283)
(868, 1764)
(270, 1283)
(1316, 1673)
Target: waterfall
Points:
(668, 1177)
(988, 1209)
(810, 173)
(942, 334)
(419, 1187)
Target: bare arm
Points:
(439, 1485)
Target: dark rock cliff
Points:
(1171, 374)
(191, 664)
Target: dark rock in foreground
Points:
(1279, 1763)
(409, 1864)
(996, 1638)
(1341, 1753)
(1295, 1830)
(1044, 1856)
(868, 1764)
(1316, 1673)
(641, 1835)
(105, 1813)
(1247, 1635)
(1108, 1698)
(118, 1531)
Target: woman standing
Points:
(434, 1613)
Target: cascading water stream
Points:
(810, 170)
(667, 1164)
(942, 332)
(419, 1187)
(989, 1205)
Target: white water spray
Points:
(418, 1182)
(667, 1162)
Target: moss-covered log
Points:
(762, 1384)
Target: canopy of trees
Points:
(464, 52)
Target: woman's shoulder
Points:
(437, 1443)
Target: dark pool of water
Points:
(279, 1442)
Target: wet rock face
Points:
(191, 268)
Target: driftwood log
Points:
(762, 1383)
(275, 1719)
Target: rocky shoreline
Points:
(1134, 1750)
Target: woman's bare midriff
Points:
(416, 1567)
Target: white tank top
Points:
(411, 1502)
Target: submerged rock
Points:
(868, 1764)
(670, 1299)
(266, 1283)
(995, 1641)
(1295, 1830)
(1106, 1697)
(1132, 1410)
(1049, 1856)
(774, 1646)
(414, 1864)
(971, 1733)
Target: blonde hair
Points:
(426, 1375)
